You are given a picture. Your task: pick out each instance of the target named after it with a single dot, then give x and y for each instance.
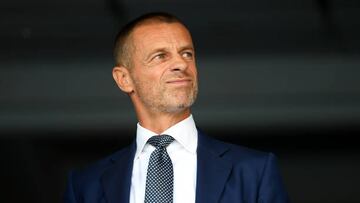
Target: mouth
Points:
(179, 82)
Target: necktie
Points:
(159, 179)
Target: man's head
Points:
(155, 64)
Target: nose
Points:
(179, 63)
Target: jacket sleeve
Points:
(69, 196)
(272, 189)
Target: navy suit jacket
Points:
(226, 173)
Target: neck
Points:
(159, 122)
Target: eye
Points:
(160, 56)
(187, 55)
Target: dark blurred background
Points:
(280, 76)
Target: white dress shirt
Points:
(183, 156)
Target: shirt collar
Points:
(184, 132)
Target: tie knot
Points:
(160, 140)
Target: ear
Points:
(122, 78)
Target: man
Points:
(170, 160)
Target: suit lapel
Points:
(212, 169)
(116, 179)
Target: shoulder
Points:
(88, 181)
(256, 171)
(239, 156)
(94, 171)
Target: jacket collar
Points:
(212, 169)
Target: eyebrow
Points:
(187, 47)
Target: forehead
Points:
(158, 33)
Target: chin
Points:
(177, 108)
(179, 102)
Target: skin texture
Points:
(162, 79)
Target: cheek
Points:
(193, 69)
(150, 82)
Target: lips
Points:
(182, 81)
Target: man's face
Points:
(163, 67)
